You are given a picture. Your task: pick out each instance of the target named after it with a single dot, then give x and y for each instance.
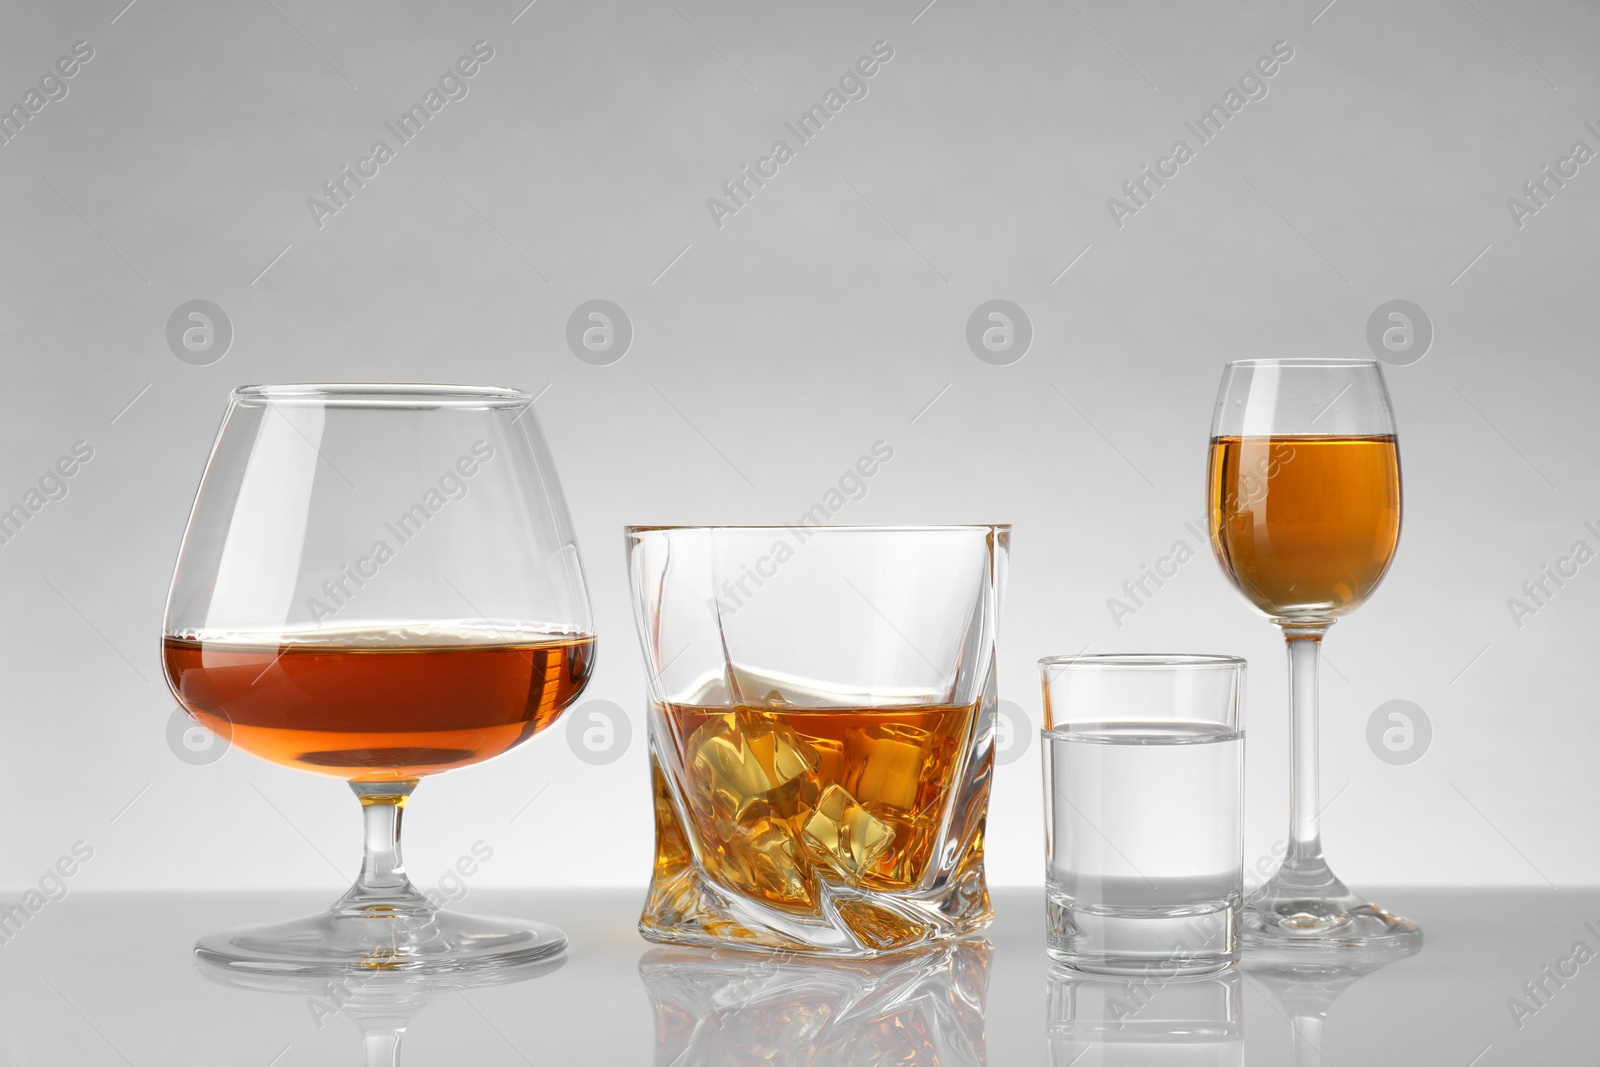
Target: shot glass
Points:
(1147, 1021)
(1144, 784)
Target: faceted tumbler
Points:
(822, 718)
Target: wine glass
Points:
(378, 582)
(1304, 505)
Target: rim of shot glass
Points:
(1307, 362)
(869, 528)
(1138, 671)
(383, 395)
(1142, 661)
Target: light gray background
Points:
(769, 354)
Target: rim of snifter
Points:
(1006, 526)
(1142, 661)
(384, 394)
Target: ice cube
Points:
(886, 762)
(830, 759)
(782, 752)
(761, 857)
(911, 847)
(844, 835)
(739, 758)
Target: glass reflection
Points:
(781, 1010)
(380, 1004)
(1307, 983)
(1148, 1021)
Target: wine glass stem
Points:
(1305, 834)
(383, 873)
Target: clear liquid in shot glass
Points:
(1144, 846)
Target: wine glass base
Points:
(381, 940)
(1288, 928)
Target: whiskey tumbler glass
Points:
(822, 719)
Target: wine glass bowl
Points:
(1304, 484)
(378, 582)
(1304, 505)
(1321, 541)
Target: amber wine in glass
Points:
(1330, 531)
(1304, 509)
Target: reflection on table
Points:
(1306, 984)
(380, 1004)
(922, 1007)
(1148, 1021)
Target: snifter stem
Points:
(383, 1049)
(382, 883)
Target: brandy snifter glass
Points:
(1304, 504)
(378, 583)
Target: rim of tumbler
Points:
(891, 528)
(1309, 362)
(1142, 661)
(383, 394)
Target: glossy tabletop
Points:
(1505, 976)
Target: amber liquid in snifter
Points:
(1305, 525)
(782, 798)
(369, 707)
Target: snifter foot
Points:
(409, 941)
